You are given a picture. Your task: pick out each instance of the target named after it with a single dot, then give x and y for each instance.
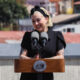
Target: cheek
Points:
(34, 26)
(44, 21)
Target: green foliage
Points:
(7, 0)
(11, 10)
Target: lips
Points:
(38, 26)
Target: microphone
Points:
(44, 38)
(35, 39)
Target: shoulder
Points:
(51, 30)
(26, 34)
(26, 40)
(60, 37)
(59, 34)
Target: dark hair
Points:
(37, 8)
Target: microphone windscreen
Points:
(35, 34)
(44, 35)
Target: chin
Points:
(40, 30)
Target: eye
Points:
(38, 20)
(33, 21)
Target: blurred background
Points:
(14, 14)
(15, 20)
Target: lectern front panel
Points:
(34, 65)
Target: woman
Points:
(53, 49)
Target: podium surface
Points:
(27, 65)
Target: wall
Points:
(72, 70)
(7, 70)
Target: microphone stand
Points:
(39, 75)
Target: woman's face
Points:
(39, 21)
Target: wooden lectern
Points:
(52, 65)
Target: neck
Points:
(46, 29)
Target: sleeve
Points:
(25, 41)
(60, 41)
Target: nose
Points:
(36, 23)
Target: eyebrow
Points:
(36, 19)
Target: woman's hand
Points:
(37, 56)
(24, 55)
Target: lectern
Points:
(39, 65)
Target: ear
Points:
(47, 19)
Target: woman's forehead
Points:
(37, 14)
